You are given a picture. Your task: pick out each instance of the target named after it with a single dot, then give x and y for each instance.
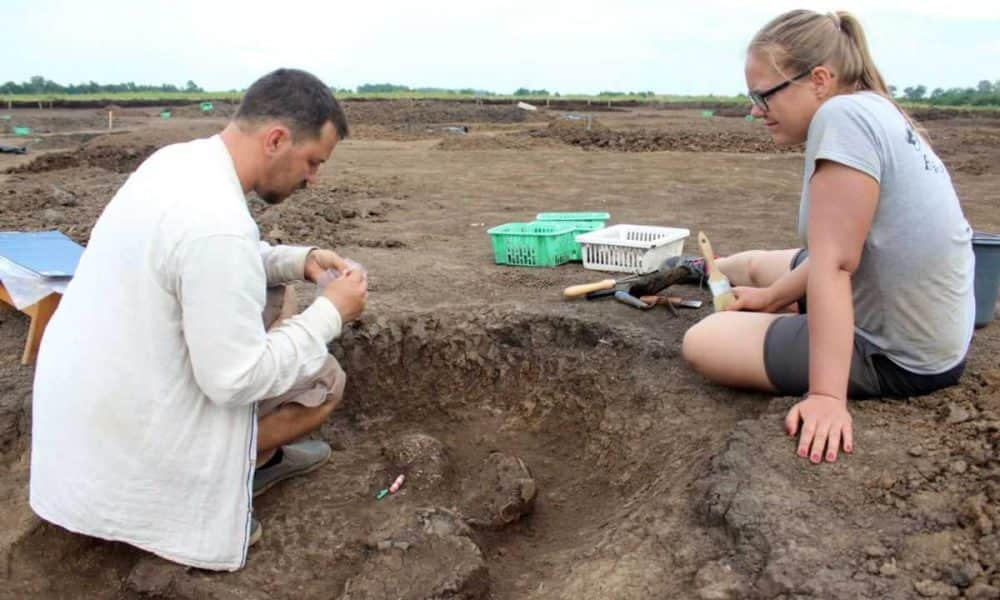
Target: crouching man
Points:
(174, 378)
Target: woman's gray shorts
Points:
(786, 361)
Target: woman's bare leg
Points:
(728, 348)
(756, 268)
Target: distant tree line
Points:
(526, 92)
(627, 94)
(984, 94)
(389, 88)
(41, 85)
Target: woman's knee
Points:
(763, 267)
(695, 347)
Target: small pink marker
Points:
(397, 484)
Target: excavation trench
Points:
(545, 456)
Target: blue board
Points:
(47, 253)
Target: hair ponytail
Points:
(800, 39)
(869, 78)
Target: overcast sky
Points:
(579, 46)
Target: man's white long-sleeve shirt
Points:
(144, 416)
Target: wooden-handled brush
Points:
(575, 291)
(722, 292)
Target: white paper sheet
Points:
(25, 287)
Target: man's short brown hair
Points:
(296, 98)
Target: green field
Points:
(166, 98)
(174, 98)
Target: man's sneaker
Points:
(299, 458)
(256, 531)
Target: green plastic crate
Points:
(578, 228)
(533, 244)
(573, 216)
(582, 222)
(22, 131)
(165, 114)
(206, 107)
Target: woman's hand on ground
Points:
(318, 261)
(752, 299)
(826, 423)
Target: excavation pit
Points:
(538, 451)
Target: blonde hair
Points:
(802, 39)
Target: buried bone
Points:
(499, 493)
(424, 460)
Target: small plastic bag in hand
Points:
(330, 274)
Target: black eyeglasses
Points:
(759, 99)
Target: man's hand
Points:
(348, 293)
(826, 423)
(318, 261)
(752, 299)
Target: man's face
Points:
(293, 165)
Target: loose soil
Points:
(552, 449)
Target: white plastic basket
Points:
(630, 248)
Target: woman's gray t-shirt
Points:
(913, 289)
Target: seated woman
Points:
(888, 269)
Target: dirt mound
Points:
(934, 113)
(121, 159)
(49, 162)
(968, 148)
(932, 502)
(392, 133)
(404, 120)
(459, 143)
(429, 112)
(159, 133)
(69, 200)
(442, 561)
(569, 125)
(324, 215)
(118, 159)
(193, 111)
(739, 110)
(652, 140)
(57, 141)
(43, 121)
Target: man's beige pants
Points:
(327, 384)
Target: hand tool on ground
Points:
(664, 300)
(599, 294)
(575, 291)
(722, 292)
(627, 298)
(672, 301)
